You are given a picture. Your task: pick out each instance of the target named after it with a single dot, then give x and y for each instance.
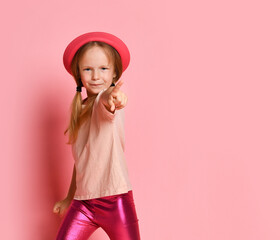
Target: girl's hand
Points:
(61, 207)
(113, 98)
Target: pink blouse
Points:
(98, 153)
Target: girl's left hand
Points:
(114, 98)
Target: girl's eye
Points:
(104, 68)
(86, 69)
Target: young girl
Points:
(100, 193)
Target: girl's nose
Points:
(95, 74)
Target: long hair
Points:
(79, 114)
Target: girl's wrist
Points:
(69, 198)
(70, 195)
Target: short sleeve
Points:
(102, 110)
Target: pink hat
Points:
(108, 38)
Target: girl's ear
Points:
(114, 75)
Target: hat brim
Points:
(108, 38)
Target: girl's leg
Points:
(117, 216)
(78, 223)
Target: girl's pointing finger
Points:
(118, 86)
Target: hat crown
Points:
(108, 38)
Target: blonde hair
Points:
(79, 114)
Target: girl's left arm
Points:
(113, 98)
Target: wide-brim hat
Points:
(108, 38)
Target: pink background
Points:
(202, 120)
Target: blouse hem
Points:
(94, 195)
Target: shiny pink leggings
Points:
(115, 214)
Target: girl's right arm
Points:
(72, 188)
(61, 207)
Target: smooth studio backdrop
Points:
(202, 119)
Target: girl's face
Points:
(95, 71)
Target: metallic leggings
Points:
(115, 214)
